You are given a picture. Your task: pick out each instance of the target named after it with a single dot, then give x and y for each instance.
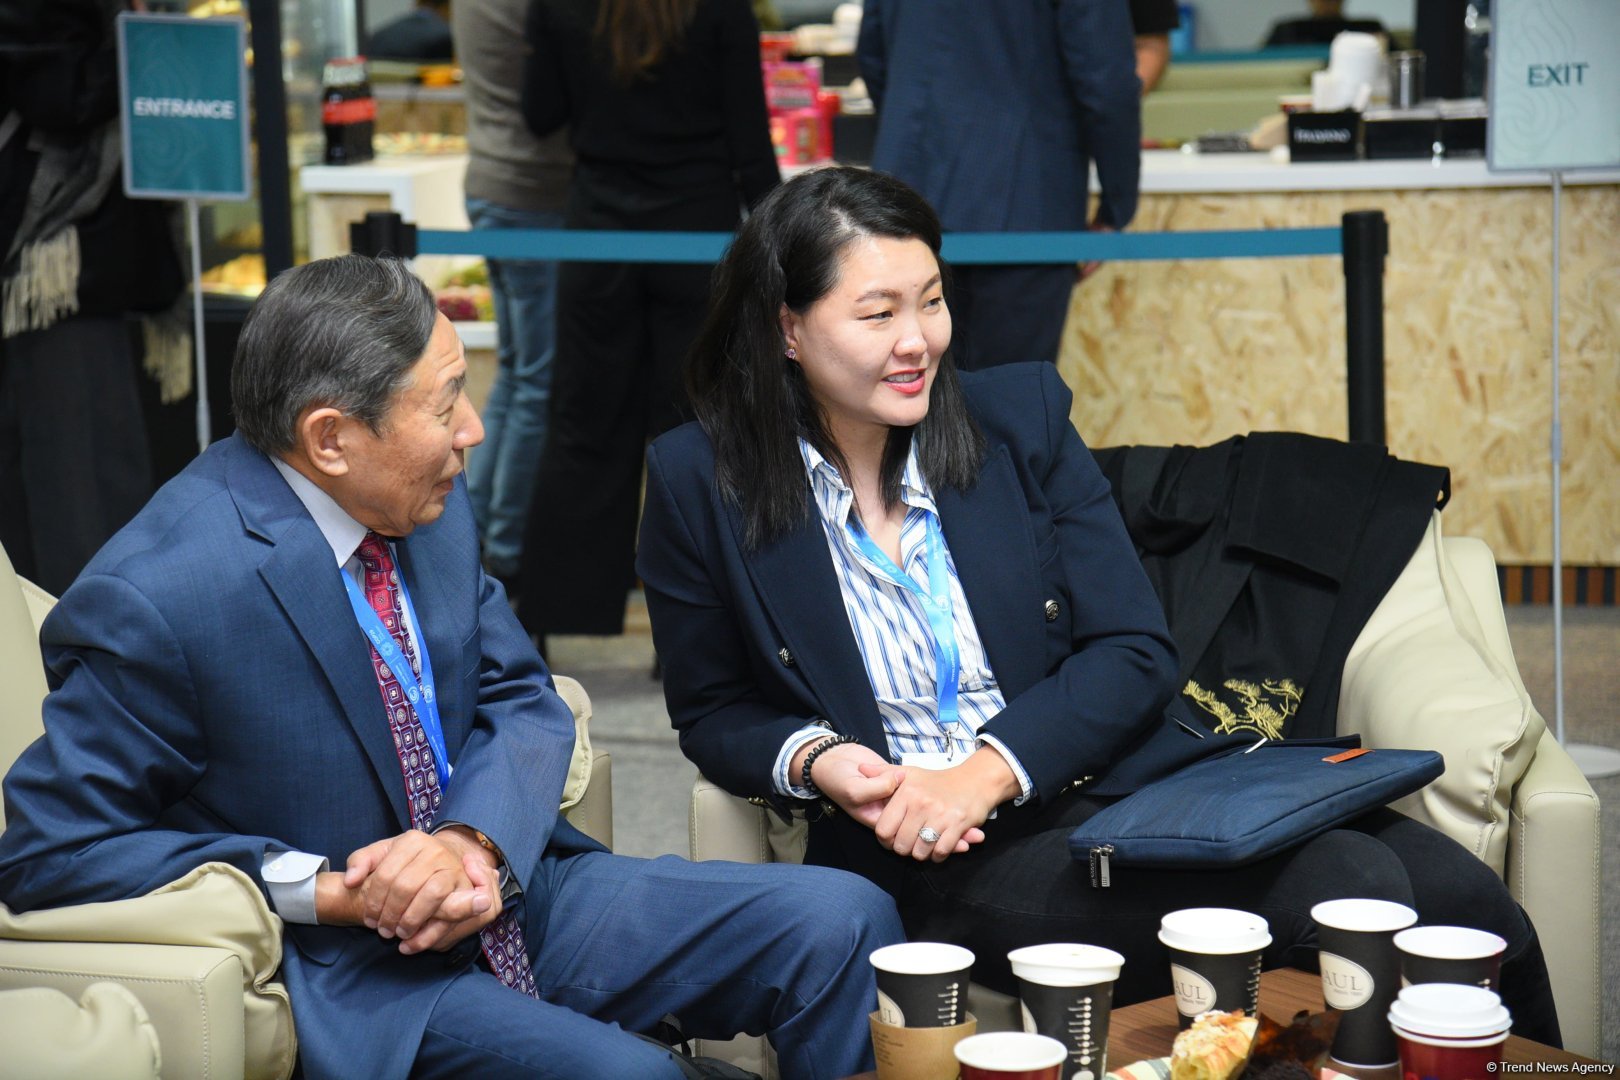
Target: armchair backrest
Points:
(22, 606)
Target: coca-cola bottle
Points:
(348, 111)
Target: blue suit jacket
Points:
(214, 699)
(756, 643)
(993, 109)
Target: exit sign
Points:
(1555, 85)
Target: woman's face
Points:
(870, 348)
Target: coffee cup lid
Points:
(1064, 964)
(1214, 930)
(1011, 1050)
(1450, 1010)
(1449, 942)
(1370, 916)
(922, 958)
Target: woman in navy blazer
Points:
(845, 502)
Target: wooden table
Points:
(1146, 1029)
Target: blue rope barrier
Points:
(571, 245)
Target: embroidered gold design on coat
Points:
(1265, 708)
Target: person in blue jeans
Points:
(514, 181)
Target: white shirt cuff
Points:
(782, 781)
(1025, 785)
(290, 878)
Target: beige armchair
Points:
(193, 964)
(1433, 668)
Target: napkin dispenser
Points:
(1324, 136)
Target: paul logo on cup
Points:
(1214, 959)
(1450, 954)
(1446, 1031)
(1360, 970)
(1066, 992)
(1011, 1055)
(922, 983)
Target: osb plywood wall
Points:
(1192, 352)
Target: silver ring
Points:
(927, 835)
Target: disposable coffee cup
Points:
(1011, 1055)
(1066, 992)
(1450, 954)
(1447, 1031)
(1214, 959)
(917, 1053)
(922, 983)
(1361, 975)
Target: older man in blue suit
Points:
(996, 112)
(291, 662)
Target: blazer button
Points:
(1051, 611)
(786, 657)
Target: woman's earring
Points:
(792, 354)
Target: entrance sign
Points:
(1555, 85)
(183, 93)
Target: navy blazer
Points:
(213, 699)
(995, 110)
(756, 643)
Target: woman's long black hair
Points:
(754, 403)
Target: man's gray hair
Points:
(343, 332)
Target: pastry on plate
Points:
(1214, 1048)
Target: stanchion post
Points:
(1366, 243)
(383, 232)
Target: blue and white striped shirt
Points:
(893, 636)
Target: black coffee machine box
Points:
(1401, 133)
(1324, 136)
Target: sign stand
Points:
(1595, 762)
(205, 434)
(182, 86)
(1555, 74)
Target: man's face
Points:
(399, 479)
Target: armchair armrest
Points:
(1553, 861)
(192, 994)
(723, 826)
(105, 1033)
(588, 793)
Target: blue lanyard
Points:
(936, 604)
(420, 694)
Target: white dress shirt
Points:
(893, 635)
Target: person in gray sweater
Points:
(515, 180)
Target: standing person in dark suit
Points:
(666, 113)
(290, 661)
(996, 112)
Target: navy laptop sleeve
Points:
(1247, 804)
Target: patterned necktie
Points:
(502, 939)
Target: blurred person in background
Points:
(996, 112)
(78, 262)
(423, 33)
(1325, 22)
(515, 180)
(665, 110)
(1152, 21)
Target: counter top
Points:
(1175, 172)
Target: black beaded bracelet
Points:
(816, 751)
